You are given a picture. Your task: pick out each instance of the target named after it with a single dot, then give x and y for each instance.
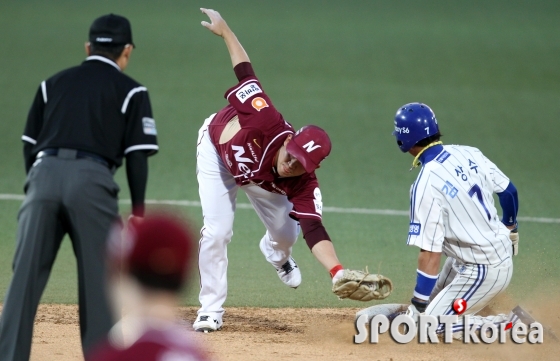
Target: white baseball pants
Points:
(218, 193)
(477, 284)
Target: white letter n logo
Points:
(310, 146)
(239, 151)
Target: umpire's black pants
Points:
(77, 197)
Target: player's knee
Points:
(285, 238)
(217, 234)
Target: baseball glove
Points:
(362, 286)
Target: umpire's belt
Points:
(74, 154)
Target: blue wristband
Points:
(424, 285)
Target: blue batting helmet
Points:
(414, 122)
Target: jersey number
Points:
(475, 190)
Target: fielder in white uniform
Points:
(248, 145)
(452, 212)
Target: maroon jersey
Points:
(248, 133)
(154, 345)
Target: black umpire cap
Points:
(111, 30)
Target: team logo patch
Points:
(247, 91)
(259, 103)
(311, 146)
(414, 229)
(149, 126)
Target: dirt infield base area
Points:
(287, 334)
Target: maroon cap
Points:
(156, 250)
(310, 145)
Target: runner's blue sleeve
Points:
(509, 204)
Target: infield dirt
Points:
(297, 334)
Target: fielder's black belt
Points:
(79, 154)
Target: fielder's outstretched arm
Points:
(325, 254)
(219, 27)
(320, 244)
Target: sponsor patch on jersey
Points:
(318, 206)
(259, 103)
(247, 91)
(228, 162)
(414, 229)
(443, 156)
(277, 189)
(317, 194)
(149, 126)
(253, 154)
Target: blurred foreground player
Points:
(148, 263)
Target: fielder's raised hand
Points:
(217, 24)
(219, 27)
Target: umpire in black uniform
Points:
(82, 123)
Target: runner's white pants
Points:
(477, 284)
(218, 193)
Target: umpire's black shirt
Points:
(92, 107)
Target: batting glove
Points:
(514, 237)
